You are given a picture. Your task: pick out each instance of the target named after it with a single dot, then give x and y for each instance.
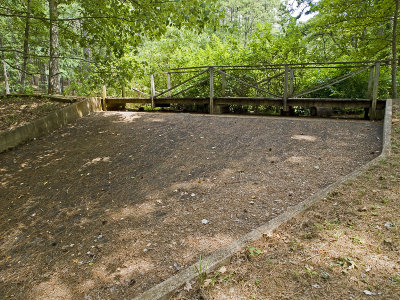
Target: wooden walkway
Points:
(217, 87)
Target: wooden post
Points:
(375, 90)
(123, 92)
(169, 83)
(211, 70)
(223, 78)
(291, 82)
(285, 91)
(103, 97)
(370, 82)
(153, 91)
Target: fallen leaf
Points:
(222, 270)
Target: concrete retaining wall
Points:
(14, 137)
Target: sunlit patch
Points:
(133, 211)
(52, 289)
(201, 242)
(126, 117)
(296, 159)
(125, 272)
(95, 161)
(309, 138)
(159, 120)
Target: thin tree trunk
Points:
(26, 45)
(54, 63)
(7, 85)
(394, 52)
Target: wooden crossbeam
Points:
(246, 83)
(332, 82)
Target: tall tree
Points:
(54, 61)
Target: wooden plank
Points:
(123, 92)
(211, 70)
(103, 97)
(375, 91)
(152, 91)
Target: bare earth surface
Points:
(345, 247)
(19, 111)
(114, 204)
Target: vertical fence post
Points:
(169, 83)
(223, 78)
(211, 70)
(123, 92)
(152, 90)
(285, 91)
(370, 82)
(375, 90)
(103, 97)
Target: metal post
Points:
(152, 90)
(169, 83)
(375, 91)
(211, 70)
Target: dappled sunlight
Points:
(95, 161)
(297, 159)
(53, 289)
(133, 211)
(124, 117)
(309, 138)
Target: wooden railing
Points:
(270, 75)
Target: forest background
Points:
(74, 47)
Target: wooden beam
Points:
(123, 92)
(103, 97)
(375, 90)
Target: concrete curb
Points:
(222, 256)
(40, 127)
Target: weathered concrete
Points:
(165, 289)
(53, 121)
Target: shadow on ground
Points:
(118, 202)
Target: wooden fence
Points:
(268, 84)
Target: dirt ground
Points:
(19, 111)
(346, 247)
(117, 202)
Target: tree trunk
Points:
(394, 51)
(54, 63)
(26, 46)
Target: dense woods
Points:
(75, 46)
